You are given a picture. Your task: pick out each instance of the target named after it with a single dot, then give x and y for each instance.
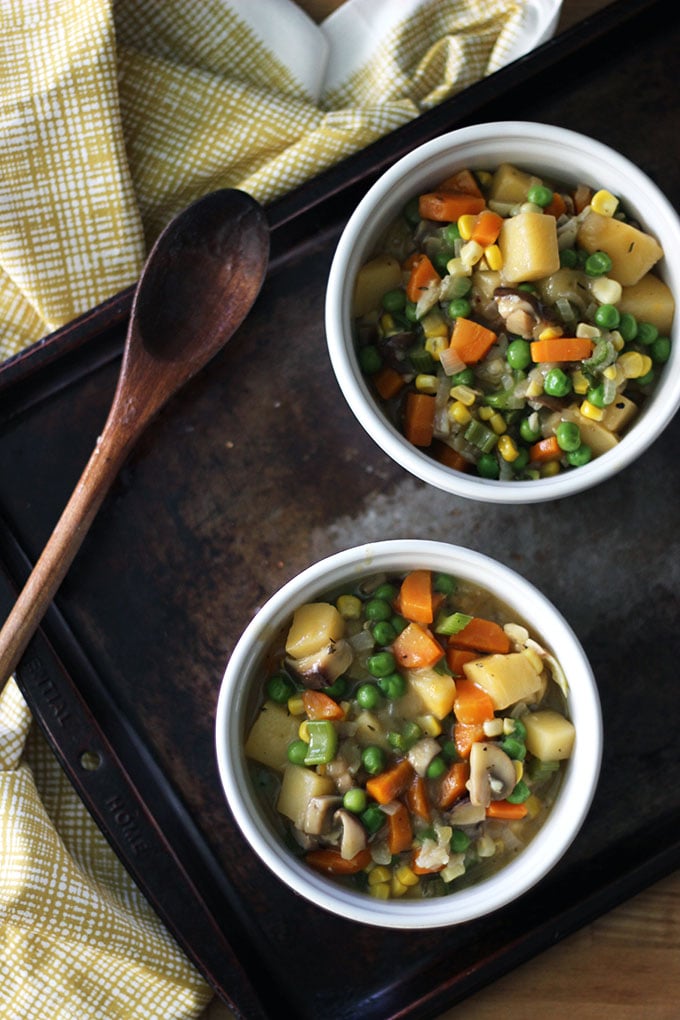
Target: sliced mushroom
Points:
(522, 313)
(492, 774)
(466, 813)
(319, 814)
(322, 668)
(353, 838)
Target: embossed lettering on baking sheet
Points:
(42, 681)
(126, 820)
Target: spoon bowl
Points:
(199, 282)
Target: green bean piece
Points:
(323, 742)
(520, 793)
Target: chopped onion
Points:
(451, 361)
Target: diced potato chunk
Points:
(619, 414)
(507, 679)
(369, 730)
(299, 785)
(649, 300)
(436, 691)
(270, 735)
(550, 736)
(528, 244)
(509, 184)
(633, 253)
(594, 434)
(314, 625)
(374, 279)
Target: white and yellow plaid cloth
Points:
(114, 115)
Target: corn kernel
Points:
(429, 724)
(550, 333)
(533, 806)
(466, 395)
(606, 291)
(617, 341)
(458, 412)
(434, 324)
(397, 888)
(550, 469)
(349, 607)
(507, 447)
(434, 345)
(485, 846)
(426, 383)
(494, 257)
(633, 364)
(535, 387)
(387, 323)
(589, 410)
(584, 329)
(519, 769)
(303, 731)
(471, 253)
(604, 203)
(381, 891)
(492, 727)
(296, 705)
(484, 178)
(406, 875)
(498, 423)
(485, 412)
(379, 874)
(579, 382)
(455, 267)
(466, 225)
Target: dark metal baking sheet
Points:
(257, 469)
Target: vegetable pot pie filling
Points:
(511, 327)
(410, 739)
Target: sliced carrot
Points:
(445, 454)
(448, 206)
(504, 809)
(415, 647)
(452, 785)
(415, 596)
(419, 418)
(422, 275)
(391, 783)
(331, 861)
(465, 735)
(319, 705)
(471, 341)
(557, 207)
(544, 450)
(472, 704)
(487, 227)
(399, 830)
(462, 181)
(388, 382)
(417, 798)
(482, 636)
(561, 348)
(457, 657)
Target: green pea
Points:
(577, 458)
(394, 300)
(597, 264)
(385, 591)
(607, 317)
(459, 308)
(647, 333)
(384, 633)
(628, 326)
(339, 688)
(297, 752)
(460, 841)
(370, 360)
(410, 212)
(520, 461)
(373, 759)
(487, 466)
(367, 696)
(393, 686)
(373, 819)
(518, 354)
(568, 436)
(397, 740)
(519, 729)
(279, 688)
(645, 380)
(411, 732)
(399, 623)
(436, 768)
(661, 350)
(514, 748)
(451, 234)
(381, 664)
(449, 750)
(441, 260)
(519, 794)
(557, 383)
(540, 194)
(568, 258)
(529, 431)
(465, 377)
(596, 395)
(444, 583)
(410, 311)
(355, 800)
(377, 609)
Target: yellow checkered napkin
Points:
(114, 115)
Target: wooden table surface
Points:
(623, 966)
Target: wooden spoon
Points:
(199, 282)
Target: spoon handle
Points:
(62, 546)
